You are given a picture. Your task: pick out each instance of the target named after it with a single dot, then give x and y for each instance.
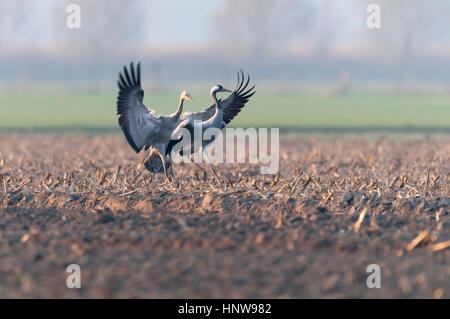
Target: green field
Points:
(94, 110)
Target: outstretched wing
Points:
(232, 105)
(137, 122)
(199, 116)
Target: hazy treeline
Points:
(280, 41)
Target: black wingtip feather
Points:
(240, 97)
(241, 81)
(245, 94)
(238, 81)
(139, 73)
(246, 84)
(133, 76)
(126, 85)
(127, 76)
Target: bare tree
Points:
(260, 26)
(106, 25)
(327, 21)
(108, 28)
(408, 27)
(18, 23)
(21, 31)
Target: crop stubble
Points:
(336, 207)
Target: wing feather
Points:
(137, 122)
(199, 116)
(232, 105)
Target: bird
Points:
(217, 115)
(141, 127)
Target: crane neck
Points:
(216, 119)
(216, 102)
(177, 114)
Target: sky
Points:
(172, 23)
(168, 23)
(182, 22)
(175, 29)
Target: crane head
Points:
(185, 95)
(218, 88)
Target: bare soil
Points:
(336, 207)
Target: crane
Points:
(141, 127)
(217, 115)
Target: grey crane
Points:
(142, 128)
(217, 115)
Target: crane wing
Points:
(232, 105)
(137, 122)
(199, 116)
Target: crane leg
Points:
(192, 161)
(172, 175)
(163, 160)
(205, 153)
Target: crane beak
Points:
(225, 90)
(189, 98)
